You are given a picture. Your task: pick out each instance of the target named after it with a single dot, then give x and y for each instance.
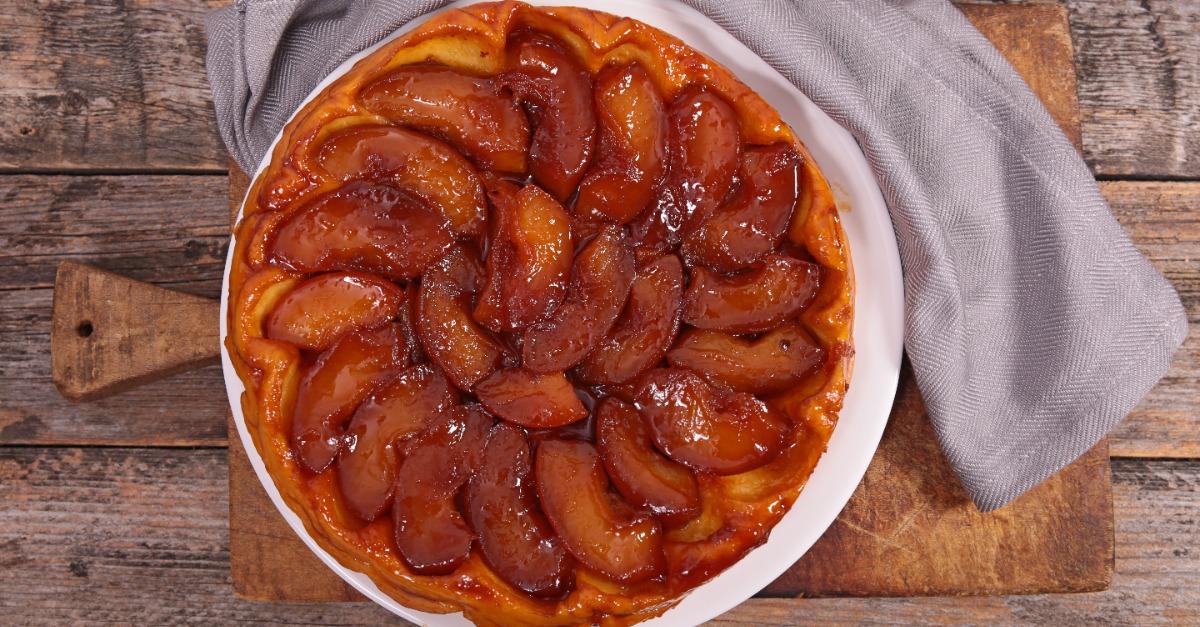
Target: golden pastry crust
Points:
(738, 511)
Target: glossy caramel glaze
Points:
(557, 93)
(321, 309)
(601, 277)
(398, 410)
(644, 332)
(643, 475)
(543, 317)
(514, 535)
(704, 146)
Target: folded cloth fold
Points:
(1032, 322)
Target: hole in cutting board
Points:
(85, 328)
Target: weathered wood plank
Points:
(106, 85)
(1138, 69)
(1163, 219)
(141, 536)
(114, 85)
(185, 410)
(170, 230)
(1138, 63)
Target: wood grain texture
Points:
(1138, 68)
(167, 230)
(104, 85)
(109, 334)
(911, 513)
(1139, 82)
(139, 536)
(185, 410)
(1163, 220)
(172, 231)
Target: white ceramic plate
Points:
(878, 325)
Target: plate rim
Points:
(857, 192)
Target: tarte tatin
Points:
(542, 316)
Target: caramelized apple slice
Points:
(449, 334)
(407, 319)
(708, 428)
(414, 162)
(752, 224)
(514, 536)
(629, 157)
(641, 474)
(645, 330)
(756, 300)
(363, 227)
(333, 387)
(538, 401)
(777, 360)
(625, 546)
(559, 94)
(320, 309)
(705, 144)
(470, 112)
(431, 535)
(400, 408)
(600, 281)
(529, 258)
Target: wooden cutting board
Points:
(909, 529)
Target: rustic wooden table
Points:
(117, 510)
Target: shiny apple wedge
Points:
(558, 92)
(625, 546)
(363, 227)
(333, 387)
(413, 162)
(759, 299)
(751, 225)
(399, 409)
(514, 536)
(530, 399)
(320, 309)
(705, 427)
(705, 144)
(600, 280)
(529, 258)
(431, 535)
(469, 112)
(451, 337)
(775, 361)
(631, 151)
(644, 476)
(645, 330)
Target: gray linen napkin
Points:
(1033, 324)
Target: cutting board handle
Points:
(110, 333)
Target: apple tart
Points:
(542, 316)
